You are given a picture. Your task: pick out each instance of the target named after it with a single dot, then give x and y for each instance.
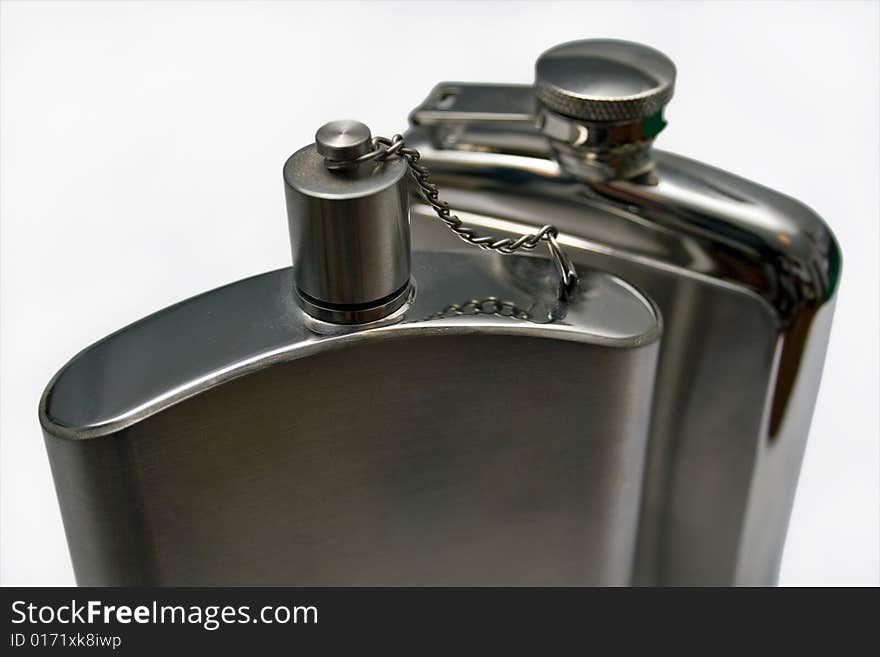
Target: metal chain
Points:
(487, 306)
(384, 148)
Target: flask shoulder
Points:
(687, 216)
(254, 324)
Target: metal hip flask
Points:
(517, 345)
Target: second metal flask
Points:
(371, 416)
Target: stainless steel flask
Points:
(744, 276)
(428, 397)
(370, 415)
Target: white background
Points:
(142, 147)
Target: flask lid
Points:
(349, 227)
(604, 80)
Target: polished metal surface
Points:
(349, 230)
(221, 442)
(745, 278)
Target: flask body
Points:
(745, 279)
(219, 442)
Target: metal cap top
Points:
(343, 140)
(604, 80)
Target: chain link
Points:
(384, 148)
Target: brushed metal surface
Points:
(235, 447)
(413, 461)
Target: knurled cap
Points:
(604, 80)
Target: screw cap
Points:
(604, 80)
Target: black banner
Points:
(411, 621)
